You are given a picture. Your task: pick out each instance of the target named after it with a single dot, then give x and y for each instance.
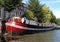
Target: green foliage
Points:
(58, 21)
(53, 19)
(34, 6)
(9, 5)
(46, 14)
(1, 2)
(41, 11)
(29, 14)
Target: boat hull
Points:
(22, 27)
(18, 26)
(13, 27)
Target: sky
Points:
(54, 5)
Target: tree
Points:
(58, 21)
(41, 11)
(29, 14)
(46, 14)
(1, 2)
(9, 5)
(53, 19)
(35, 7)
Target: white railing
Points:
(31, 22)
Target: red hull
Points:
(15, 29)
(12, 26)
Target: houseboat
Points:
(17, 24)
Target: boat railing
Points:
(31, 22)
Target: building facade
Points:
(19, 11)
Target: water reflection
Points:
(56, 36)
(47, 36)
(39, 37)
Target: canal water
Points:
(45, 36)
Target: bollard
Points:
(3, 29)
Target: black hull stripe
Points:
(27, 28)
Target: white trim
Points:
(26, 28)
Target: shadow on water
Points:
(27, 32)
(57, 29)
